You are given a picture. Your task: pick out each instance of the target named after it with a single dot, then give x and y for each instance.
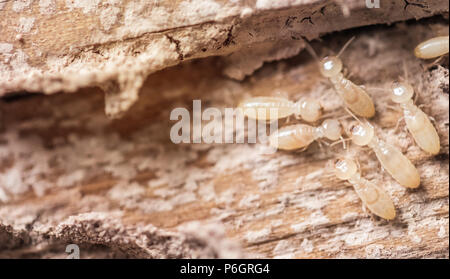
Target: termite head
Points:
(331, 129)
(309, 109)
(345, 168)
(401, 92)
(361, 133)
(330, 66)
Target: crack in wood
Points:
(177, 46)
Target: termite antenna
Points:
(320, 142)
(345, 116)
(333, 114)
(358, 165)
(376, 88)
(419, 89)
(394, 108)
(347, 151)
(341, 140)
(345, 46)
(354, 116)
(311, 51)
(327, 95)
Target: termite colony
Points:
(357, 103)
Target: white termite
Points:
(432, 48)
(417, 122)
(354, 96)
(302, 135)
(392, 159)
(375, 198)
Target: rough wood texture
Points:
(121, 188)
(63, 45)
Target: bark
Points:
(54, 46)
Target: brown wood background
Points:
(121, 188)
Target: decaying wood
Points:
(63, 45)
(121, 188)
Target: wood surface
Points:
(121, 188)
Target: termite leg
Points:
(320, 144)
(370, 152)
(346, 73)
(434, 63)
(343, 142)
(423, 106)
(345, 46)
(432, 119)
(288, 119)
(301, 149)
(358, 165)
(365, 211)
(326, 95)
(372, 218)
(324, 82)
(374, 88)
(394, 108)
(339, 141)
(398, 123)
(333, 114)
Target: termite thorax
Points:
(337, 79)
(408, 106)
(319, 132)
(355, 179)
(375, 142)
(298, 107)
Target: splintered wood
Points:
(58, 45)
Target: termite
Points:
(417, 122)
(372, 196)
(432, 48)
(302, 135)
(308, 109)
(354, 96)
(392, 159)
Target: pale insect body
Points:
(372, 196)
(432, 48)
(302, 135)
(354, 96)
(417, 122)
(392, 160)
(309, 110)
